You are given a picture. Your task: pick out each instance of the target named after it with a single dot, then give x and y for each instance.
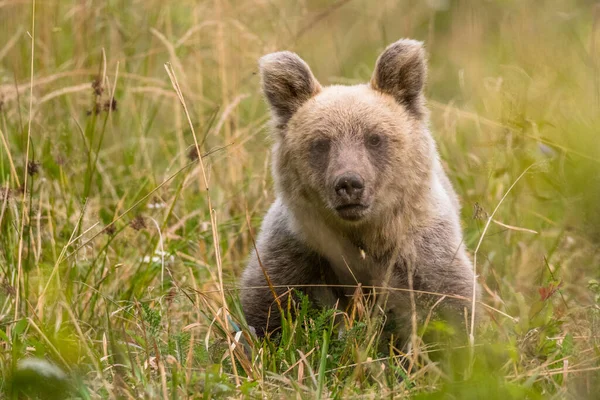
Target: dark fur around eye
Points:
(378, 147)
(320, 146)
(319, 152)
(374, 140)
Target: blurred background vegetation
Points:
(114, 271)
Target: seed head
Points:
(138, 223)
(33, 168)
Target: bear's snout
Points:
(349, 187)
(349, 197)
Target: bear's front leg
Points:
(444, 269)
(289, 264)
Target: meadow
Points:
(121, 248)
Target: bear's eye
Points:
(374, 140)
(321, 145)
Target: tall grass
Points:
(120, 251)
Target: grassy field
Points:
(120, 253)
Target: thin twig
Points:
(487, 225)
(24, 202)
(213, 220)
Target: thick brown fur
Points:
(401, 216)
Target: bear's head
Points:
(354, 153)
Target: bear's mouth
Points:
(351, 212)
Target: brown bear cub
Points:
(362, 197)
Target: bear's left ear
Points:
(287, 83)
(401, 71)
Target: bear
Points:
(361, 196)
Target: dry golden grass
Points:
(120, 252)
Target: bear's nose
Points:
(349, 186)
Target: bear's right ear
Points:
(287, 83)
